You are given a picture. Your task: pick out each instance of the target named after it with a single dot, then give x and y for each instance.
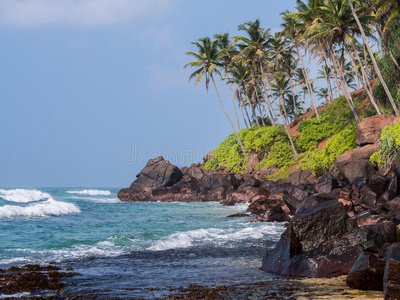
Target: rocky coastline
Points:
(345, 222)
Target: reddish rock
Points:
(348, 205)
(252, 163)
(208, 157)
(247, 194)
(370, 129)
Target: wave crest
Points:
(23, 196)
(47, 208)
(91, 192)
(215, 236)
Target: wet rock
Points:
(367, 272)
(323, 241)
(391, 279)
(239, 215)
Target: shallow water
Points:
(122, 249)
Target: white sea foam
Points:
(91, 192)
(23, 196)
(97, 199)
(46, 208)
(106, 248)
(18, 295)
(215, 236)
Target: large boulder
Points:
(157, 173)
(391, 279)
(367, 272)
(370, 129)
(322, 240)
(355, 163)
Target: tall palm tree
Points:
(253, 50)
(293, 28)
(229, 51)
(378, 72)
(208, 59)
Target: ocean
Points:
(131, 249)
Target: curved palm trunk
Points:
(303, 104)
(263, 77)
(328, 84)
(239, 96)
(287, 132)
(343, 85)
(378, 72)
(366, 85)
(303, 67)
(233, 99)
(227, 115)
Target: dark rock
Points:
(367, 197)
(393, 204)
(302, 177)
(326, 184)
(238, 216)
(377, 184)
(318, 219)
(355, 163)
(251, 182)
(391, 279)
(276, 214)
(367, 272)
(322, 240)
(158, 173)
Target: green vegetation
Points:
(389, 146)
(333, 120)
(271, 85)
(272, 145)
(320, 161)
(271, 142)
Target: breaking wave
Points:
(215, 236)
(91, 192)
(23, 196)
(46, 208)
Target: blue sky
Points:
(91, 89)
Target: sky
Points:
(91, 89)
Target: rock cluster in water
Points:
(344, 222)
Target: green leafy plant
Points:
(389, 146)
(320, 161)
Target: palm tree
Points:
(226, 47)
(293, 28)
(208, 59)
(253, 50)
(378, 72)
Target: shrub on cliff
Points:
(320, 161)
(270, 142)
(389, 146)
(334, 119)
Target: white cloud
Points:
(78, 12)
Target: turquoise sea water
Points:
(124, 248)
